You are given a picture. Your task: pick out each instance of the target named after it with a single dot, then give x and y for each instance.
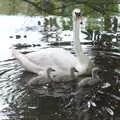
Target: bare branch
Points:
(96, 5)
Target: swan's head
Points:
(77, 15)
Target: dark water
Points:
(61, 101)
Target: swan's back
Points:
(57, 58)
(53, 57)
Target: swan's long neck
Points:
(77, 46)
(76, 38)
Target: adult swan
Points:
(58, 59)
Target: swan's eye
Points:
(78, 14)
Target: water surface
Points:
(64, 101)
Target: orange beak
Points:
(79, 20)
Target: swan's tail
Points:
(15, 53)
(25, 62)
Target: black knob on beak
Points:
(78, 14)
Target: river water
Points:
(63, 101)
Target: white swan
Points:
(58, 59)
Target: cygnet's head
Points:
(77, 15)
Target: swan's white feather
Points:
(57, 58)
